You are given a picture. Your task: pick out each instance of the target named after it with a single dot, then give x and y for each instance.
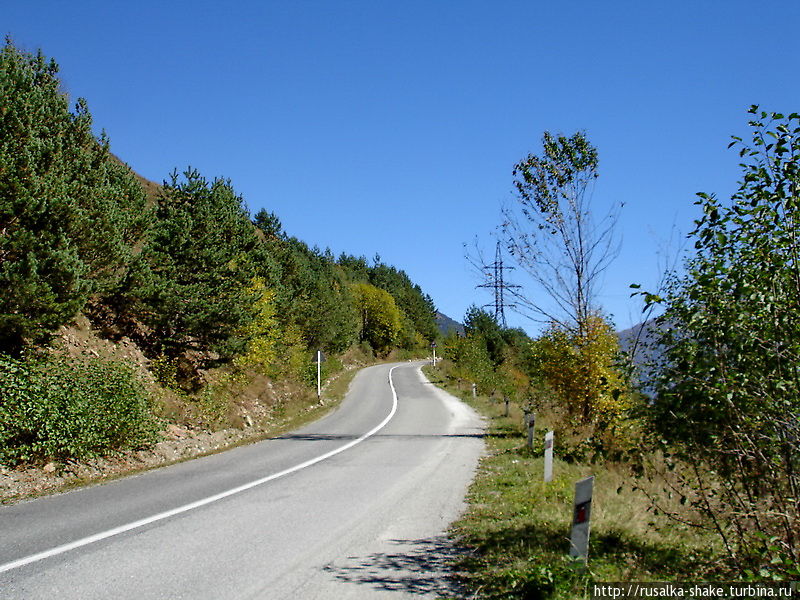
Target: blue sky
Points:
(392, 128)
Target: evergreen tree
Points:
(313, 295)
(195, 288)
(69, 213)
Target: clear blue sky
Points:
(392, 127)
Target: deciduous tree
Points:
(380, 317)
(552, 233)
(728, 394)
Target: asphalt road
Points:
(353, 506)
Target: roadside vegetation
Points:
(514, 536)
(127, 306)
(695, 480)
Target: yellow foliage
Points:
(263, 333)
(580, 368)
(381, 320)
(292, 353)
(516, 382)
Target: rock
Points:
(50, 467)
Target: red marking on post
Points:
(581, 513)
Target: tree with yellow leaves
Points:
(581, 370)
(381, 320)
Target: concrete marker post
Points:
(319, 374)
(582, 512)
(474, 391)
(548, 457)
(530, 424)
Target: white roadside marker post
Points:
(433, 347)
(582, 512)
(474, 390)
(548, 457)
(319, 374)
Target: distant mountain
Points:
(446, 324)
(641, 341)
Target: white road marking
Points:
(198, 503)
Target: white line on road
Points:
(198, 503)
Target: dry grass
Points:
(516, 531)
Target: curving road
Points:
(353, 506)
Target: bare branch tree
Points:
(551, 233)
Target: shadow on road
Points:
(418, 567)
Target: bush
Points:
(728, 393)
(56, 408)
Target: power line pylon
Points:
(496, 280)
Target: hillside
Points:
(134, 314)
(446, 324)
(151, 188)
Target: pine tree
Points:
(195, 288)
(69, 213)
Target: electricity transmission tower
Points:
(495, 280)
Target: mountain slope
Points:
(446, 324)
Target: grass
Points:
(515, 533)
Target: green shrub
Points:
(59, 408)
(330, 366)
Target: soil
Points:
(185, 436)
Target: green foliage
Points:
(269, 224)
(493, 358)
(312, 295)
(186, 275)
(419, 313)
(380, 317)
(727, 395)
(481, 324)
(69, 212)
(194, 289)
(515, 531)
(551, 231)
(549, 180)
(472, 362)
(54, 408)
(414, 304)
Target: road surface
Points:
(353, 506)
